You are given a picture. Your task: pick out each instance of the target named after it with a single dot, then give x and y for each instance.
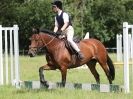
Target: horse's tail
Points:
(111, 67)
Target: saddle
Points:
(71, 50)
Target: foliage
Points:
(102, 18)
(33, 14)
(105, 19)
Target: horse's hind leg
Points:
(106, 70)
(92, 66)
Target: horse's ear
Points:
(35, 30)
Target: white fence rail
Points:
(119, 45)
(9, 42)
(127, 41)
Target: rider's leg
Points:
(70, 34)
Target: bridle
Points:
(44, 43)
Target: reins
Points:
(43, 42)
(46, 44)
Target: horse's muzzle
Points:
(31, 53)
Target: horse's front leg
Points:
(41, 75)
(63, 70)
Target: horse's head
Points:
(36, 44)
(40, 39)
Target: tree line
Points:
(102, 18)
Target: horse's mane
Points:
(76, 38)
(48, 32)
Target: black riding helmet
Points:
(57, 3)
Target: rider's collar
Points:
(60, 11)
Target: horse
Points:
(59, 57)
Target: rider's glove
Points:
(59, 32)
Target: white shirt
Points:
(65, 17)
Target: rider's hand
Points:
(61, 36)
(59, 32)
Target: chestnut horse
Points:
(59, 57)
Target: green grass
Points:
(29, 71)
(8, 92)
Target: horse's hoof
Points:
(61, 85)
(44, 84)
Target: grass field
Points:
(29, 71)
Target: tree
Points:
(105, 19)
(35, 13)
(102, 18)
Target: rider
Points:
(64, 25)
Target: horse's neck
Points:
(52, 42)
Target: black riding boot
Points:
(80, 55)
